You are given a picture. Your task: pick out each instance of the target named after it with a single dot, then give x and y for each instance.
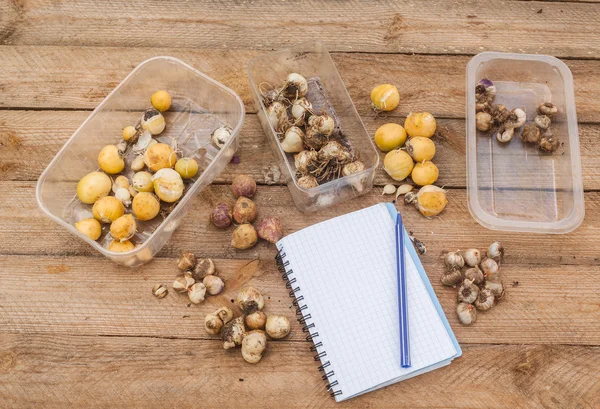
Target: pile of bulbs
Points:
(477, 278)
(504, 123)
(243, 213)
(162, 181)
(322, 153)
(412, 157)
(198, 278)
(249, 330)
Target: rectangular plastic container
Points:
(312, 60)
(200, 105)
(515, 186)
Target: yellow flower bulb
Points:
(390, 136)
(385, 97)
(420, 124)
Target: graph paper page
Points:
(345, 272)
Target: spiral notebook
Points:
(342, 274)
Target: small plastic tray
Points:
(200, 105)
(515, 186)
(326, 92)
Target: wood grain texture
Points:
(26, 231)
(54, 77)
(85, 296)
(30, 139)
(457, 27)
(132, 372)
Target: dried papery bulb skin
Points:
(270, 229)
(243, 185)
(138, 163)
(182, 283)
(485, 300)
(250, 300)
(221, 216)
(485, 91)
(160, 291)
(213, 324)
(490, 268)
(254, 345)
(225, 314)
(472, 257)
(233, 333)
(542, 121)
(452, 278)
(483, 121)
(187, 261)
(244, 211)
(548, 109)
(256, 320)
(204, 267)
(531, 133)
(453, 260)
(278, 326)
(196, 293)
(495, 251)
(468, 292)
(500, 115)
(467, 314)
(214, 285)
(475, 275)
(496, 287)
(296, 86)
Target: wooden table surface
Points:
(79, 331)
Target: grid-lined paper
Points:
(346, 273)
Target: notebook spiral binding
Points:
(304, 316)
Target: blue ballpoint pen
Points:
(402, 301)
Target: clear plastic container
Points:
(200, 105)
(515, 186)
(326, 92)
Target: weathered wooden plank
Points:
(80, 77)
(90, 296)
(30, 139)
(59, 371)
(460, 27)
(25, 230)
